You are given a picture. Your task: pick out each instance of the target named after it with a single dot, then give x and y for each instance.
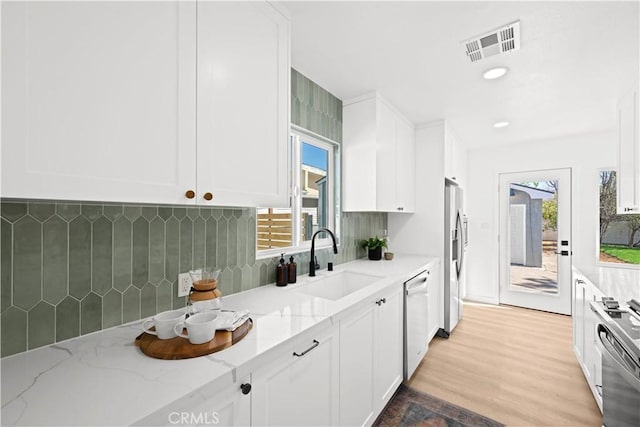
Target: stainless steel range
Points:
(619, 333)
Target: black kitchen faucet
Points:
(312, 263)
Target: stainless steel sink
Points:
(337, 285)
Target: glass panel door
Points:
(535, 237)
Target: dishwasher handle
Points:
(629, 376)
(417, 283)
(418, 278)
(417, 289)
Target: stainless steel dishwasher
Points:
(416, 321)
(619, 334)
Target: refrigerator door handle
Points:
(460, 247)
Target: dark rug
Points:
(410, 407)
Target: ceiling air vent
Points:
(500, 40)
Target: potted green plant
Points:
(374, 246)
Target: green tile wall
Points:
(314, 108)
(68, 269)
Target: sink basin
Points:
(338, 285)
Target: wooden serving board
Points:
(180, 348)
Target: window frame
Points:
(298, 135)
(599, 262)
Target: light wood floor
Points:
(511, 364)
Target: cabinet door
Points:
(227, 407)
(628, 178)
(356, 368)
(448, 153)
(358, 154)
(386, 161)
(578, 318)
(388, 345)
(435, 301)
(589, 335)
(406, 167)
(243, 104)
(98, 100)
(299, 390)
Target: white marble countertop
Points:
(104, 379)
(619, 282)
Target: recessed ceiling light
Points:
(500, 125)
(495, 73)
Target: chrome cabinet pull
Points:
(314, 345)
(381, 301)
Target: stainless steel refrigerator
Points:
(455, 242)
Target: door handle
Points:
(563, 253)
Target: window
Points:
(619, 236)
(314, 200)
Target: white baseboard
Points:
(482, 299)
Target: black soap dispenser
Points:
(292, 267)
(281, 272)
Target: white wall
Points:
(584, 154)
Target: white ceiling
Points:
(575, 60)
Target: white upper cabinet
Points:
(90, 100)
(378, 157)
(628, 176)
(406, 161)
(132, 102)
(454, 157)
(243, 103)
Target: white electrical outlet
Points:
(184, 284)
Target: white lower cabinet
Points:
(357, 367)
(299, 387)
(585, 337)
(370, 358)
(228, 406)
(344, 374)
(435, 303)
(388, 328)
(579, 299)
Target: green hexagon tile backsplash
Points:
(68, 269)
